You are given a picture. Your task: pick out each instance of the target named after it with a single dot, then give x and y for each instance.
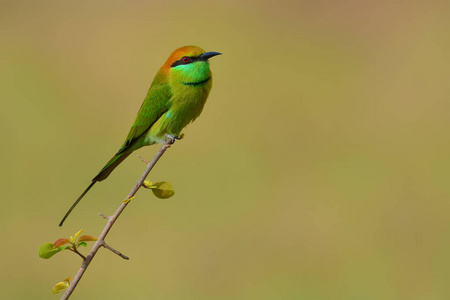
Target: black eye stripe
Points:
(181, 62)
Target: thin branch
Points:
(76, 251)
(101, 240)
(115, 251)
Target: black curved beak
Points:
(208, 55)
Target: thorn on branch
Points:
(114, 251)
(143, 159)
(103, 216)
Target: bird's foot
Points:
(170, 139)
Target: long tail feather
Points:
(76, 202)
(102, 175)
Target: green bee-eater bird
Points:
(176, 97)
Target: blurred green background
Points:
(319, 168)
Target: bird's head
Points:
(189, 66)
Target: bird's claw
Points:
(170, 139)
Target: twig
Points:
(143, 159)
(103, 216)
(115, 251)
(101, 240)
(76, 251)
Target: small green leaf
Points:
(64, 248)
(61, 285)
(87, 238)
(128, 199)
(147, 184)
(82, 244)
(46, 250)
(162, 190)
(77, 234)
(60, 242)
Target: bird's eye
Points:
(185, 59)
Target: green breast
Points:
(187, 103)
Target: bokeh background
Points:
(319, 168)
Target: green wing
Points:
(156, 103)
